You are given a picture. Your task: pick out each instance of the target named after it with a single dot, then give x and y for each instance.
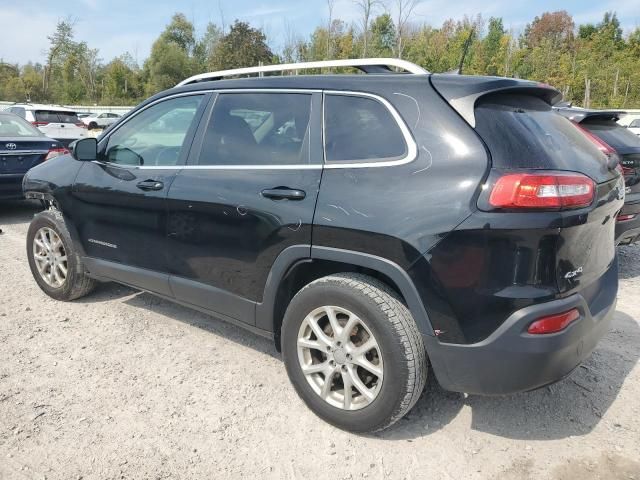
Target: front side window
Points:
(257, 129)
(155, 136)
(360, 129)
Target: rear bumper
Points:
(11, 186)
(511, 360)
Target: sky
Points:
(118, 26)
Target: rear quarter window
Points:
(361, 129)
(522, 131)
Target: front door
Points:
(248, 192)
(120, 200)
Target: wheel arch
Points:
(299, 265)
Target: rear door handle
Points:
(281, 193)
(147, 185)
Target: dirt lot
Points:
(124, 385)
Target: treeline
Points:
(592, 64)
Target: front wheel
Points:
(55, 265)
(353, 352)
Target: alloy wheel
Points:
(340, 357)
(50, 257)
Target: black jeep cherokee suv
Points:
(371, 224)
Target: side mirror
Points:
(85, 149)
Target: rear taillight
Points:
(545, 191)
(603, 146)
(624, 218)
(56, 152)
(553, 323)
(81, 125)
(39, 124)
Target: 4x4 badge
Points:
(573, 273)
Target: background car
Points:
(634, 126)
(22, 146)
(100, 120)
(603, 127)
(59, 123)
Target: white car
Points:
(100, 120)
(634, 126)
(59, 123)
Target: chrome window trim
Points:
(22, 152)
(412, 148)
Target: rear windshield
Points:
(12, 126)
(615, 135)
(52, 116)
(523, 131)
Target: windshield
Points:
(14, 126)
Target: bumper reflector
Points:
(553, 323)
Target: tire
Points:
(76, 283)
(399, 353)
(93, 125)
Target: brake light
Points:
(551, 190)
(624, 218)
(553, 323)
(81, 125)
(56, 152)
(39, 124)
(603, 146)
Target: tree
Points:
(243, 46)
(554, 27)
(366, 8)
(383, 36)
(179, 31)
(404, 9)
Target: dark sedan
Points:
(22, 146)
(602, 126)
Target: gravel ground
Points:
(121, 384)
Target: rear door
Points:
(248, 192)
(119, 201)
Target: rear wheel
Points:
(353, 352)
(93, 125)
(55, 265)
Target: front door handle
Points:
(147, 185)
(281, 193)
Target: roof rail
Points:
(367, 65)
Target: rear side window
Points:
(523, 131)
(635, 123)
(614, 134)
(258, 129)
(360, 129)
(52, 116)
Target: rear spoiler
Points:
(578, 115)
(463, 91)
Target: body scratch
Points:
(415, 101)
